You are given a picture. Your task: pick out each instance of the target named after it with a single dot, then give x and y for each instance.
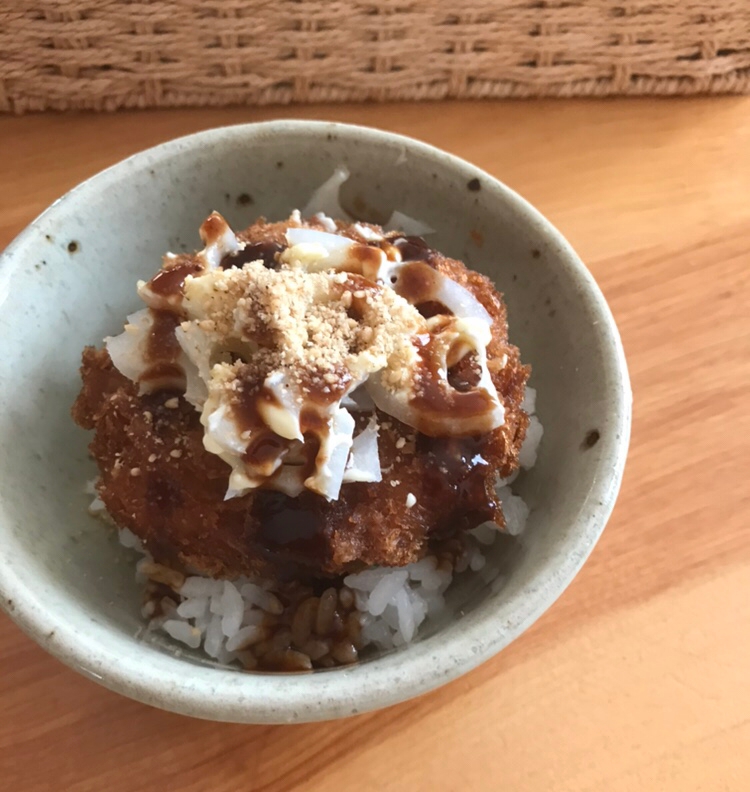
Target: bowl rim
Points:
(96, 650)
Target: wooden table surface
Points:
(639, 677)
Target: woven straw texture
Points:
(117, 53)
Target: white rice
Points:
(226, 618)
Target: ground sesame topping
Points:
(300, 322)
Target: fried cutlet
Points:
(158, 480)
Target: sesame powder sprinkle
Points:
(299, 322)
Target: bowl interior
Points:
(69, 280)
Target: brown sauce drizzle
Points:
(430, 308)
(364, 260)
(265, 450)
(413, 248)
(170, 282)
(162, 353)
(311, 420)
(163, 376)
(266, 445)
(319, 392)
(456, 465)
(245, 406)
(267, 252)
(434, 398)
(162, 344)
(213, 228)
(465, 374)
(291, 531)
(417, 283)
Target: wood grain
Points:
(637, 679)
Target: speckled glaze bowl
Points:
(68, 280)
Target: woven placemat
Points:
(117, 53)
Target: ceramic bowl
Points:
(68, 280)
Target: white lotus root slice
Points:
(318, 250)
(289, 479)
(418, 282)
(358, 400)
(333, 457)
(479, 409)
(327, 222)
(273, 453)
(330, 463)
(364, 460)
(367, 233)
(127, 350)
(428, 402)
(326, 198)
(406, 224)
(219, 240)
(221, 437)
(198, 346)
(240, 450)
(281, 412)
(340, 459)
(128, 354)
(315, 250)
